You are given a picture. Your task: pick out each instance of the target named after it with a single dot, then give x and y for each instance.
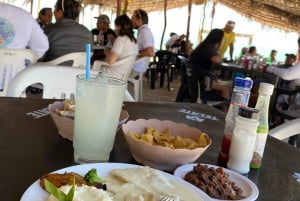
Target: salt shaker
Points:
(243, 140)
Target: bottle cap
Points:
(249, 112)
(243, 82)
(266, 88)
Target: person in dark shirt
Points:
(103, 23)
(201, 59)
(66, 35)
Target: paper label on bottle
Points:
(259, 148)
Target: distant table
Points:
(273, 79)
(30, 146)
(255, 74)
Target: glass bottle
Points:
(240, 97)
(101, 38)
(264, 92)
(243, 140)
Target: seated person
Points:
(124, 45)
(145, 40)
(66, 35)
(45, 17)
(290, 60)
(15, 35)
(271, 60)
(171, 41)
(282, 101)
(103, 23)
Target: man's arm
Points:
(148, 52)
(290, 73)
(38, 40)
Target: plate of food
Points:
(63, 112)
(122, 182)
(218, 182)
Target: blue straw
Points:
(88, 61)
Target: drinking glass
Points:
(98, 102)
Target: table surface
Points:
(256, 73)
(30, 146)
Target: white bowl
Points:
(160, 157)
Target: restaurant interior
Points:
(78, 128)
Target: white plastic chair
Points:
(59, 82)
(286, 130)
(138, 83)
(78, 59)
(13, 61)
(120, 70)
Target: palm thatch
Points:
(282, 14)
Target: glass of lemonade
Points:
(98, 102)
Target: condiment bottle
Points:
(264, 92)
(240, 97)
(243, 140)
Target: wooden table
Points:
(30, 146)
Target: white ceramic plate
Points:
(36, 193)
(250, 190)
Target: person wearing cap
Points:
(45, 17)
(103, 23)
(228, 40)
(290, 60)
(145, 38)
(66, 35)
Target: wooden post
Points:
(119, 4)
(31, 6)
(165, 24)
(188, 27)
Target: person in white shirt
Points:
(172, 40)
(19, 30)
(291, 74)
(125, 45)
(145, 38)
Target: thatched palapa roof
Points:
(282, 14)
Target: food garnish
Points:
(58, 194)
(94, 180)
(164, 138)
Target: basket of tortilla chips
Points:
(164, 145)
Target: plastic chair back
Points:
(13, 61)
(287, 129)
(78, 59)
(120, 69)
(59, 82)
